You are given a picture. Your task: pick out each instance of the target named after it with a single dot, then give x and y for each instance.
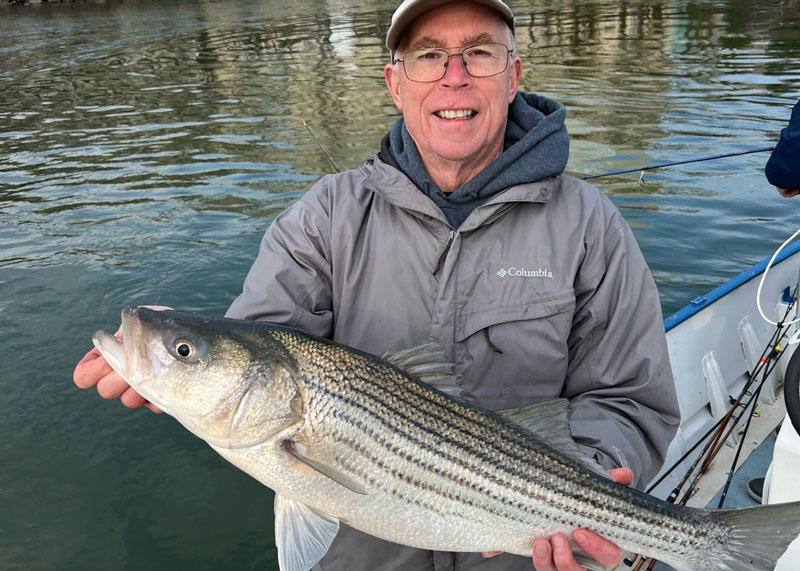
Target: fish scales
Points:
(363, 388)
(341, 435)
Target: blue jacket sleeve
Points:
(783, 166)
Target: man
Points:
(463, 230)
(783, 167)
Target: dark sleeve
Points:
(783, 166)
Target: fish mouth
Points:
(453, 114)
(129, 354)
(141, 353)
(120, 350)
(112, 349)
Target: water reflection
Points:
(116, 110)
(145, 146)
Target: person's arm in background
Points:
(783, 167)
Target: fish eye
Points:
(184, 348)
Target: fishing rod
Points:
(711, 158)
(321, 148)
(712, 447)
(721, 424)
(715, 446)
(766, 364)
(774, 343)
(774, 356)
(720, 439)
(594, 176)
(735, 460)
(722, 431)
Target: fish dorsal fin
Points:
(297, 451)
(549, 421)
(427, 363)
(302, 535)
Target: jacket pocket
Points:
(511, 356)
(475, 320)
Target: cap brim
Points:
(404, 20)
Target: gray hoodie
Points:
(536, 146)
(541, 292)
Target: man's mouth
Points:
(455, 113)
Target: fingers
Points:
(94, 371)
(132, 399)
(599, 548)
(90, 370)
(555, 555)
(152, 407)
(111, 386)
(622, 476)
(543, 555)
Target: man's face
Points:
(472, 139)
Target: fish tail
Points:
(756, 537)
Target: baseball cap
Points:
(410, 10)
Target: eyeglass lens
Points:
(430, 64)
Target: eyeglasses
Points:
(430, 64)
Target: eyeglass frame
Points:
(509, 51)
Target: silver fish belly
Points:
(341, 435)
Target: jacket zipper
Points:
(443, 255)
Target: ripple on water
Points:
(146, 146)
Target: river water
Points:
(146, 145)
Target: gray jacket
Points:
(542, 292)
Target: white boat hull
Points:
(714, 344)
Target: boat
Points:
(725, 355)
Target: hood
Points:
(536, 146)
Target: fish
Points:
(341, 435)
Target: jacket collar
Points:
(396, 188)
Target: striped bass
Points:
(341, 435)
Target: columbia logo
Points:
(523, 273)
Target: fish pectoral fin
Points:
(549, 421)
(302, 535)
(342, 479)
(427, 363)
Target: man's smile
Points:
(455, 113)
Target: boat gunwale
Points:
(701, 302)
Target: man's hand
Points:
(94, 371)
(789, 193)
(556, 554)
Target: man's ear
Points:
(515, 77)
(392, 76)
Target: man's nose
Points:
(455, 70)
